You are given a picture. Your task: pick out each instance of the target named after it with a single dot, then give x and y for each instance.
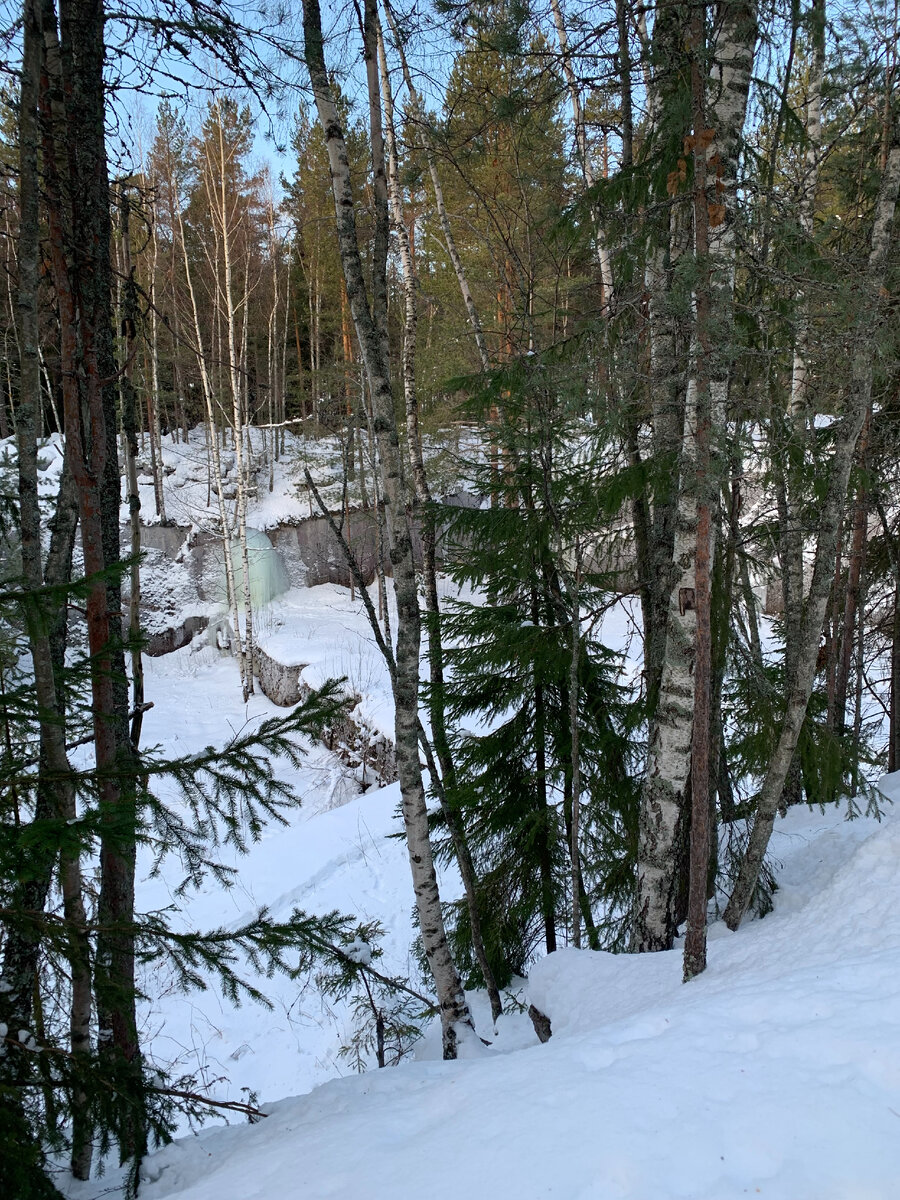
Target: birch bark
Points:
(153, 398)
(225, 291)
(370, 324)
(423, 501)
(673, 643)
(215, 458)
(858, 398)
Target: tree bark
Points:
(683, 437)
(858, 398)
(853, 590)
(216, 461)
(796, 429)
(704, 491)
(54, 799)
(80, 239)
(371, 331)
(219, 207)
(129, 318)
(449, 807)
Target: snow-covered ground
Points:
(776, 1074)
(334, 854)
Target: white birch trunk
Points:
(663, 811)
(155, 429)
(215, 457)
(370, 323)
(423, 498)
(220, 214)
(858, 398)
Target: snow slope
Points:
(334, 854)
(776, 1074)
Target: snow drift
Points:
(776, 1074)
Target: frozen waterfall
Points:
(268, 575)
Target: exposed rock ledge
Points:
(351, 738)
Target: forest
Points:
(559, 319)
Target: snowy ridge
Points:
(775, 1074)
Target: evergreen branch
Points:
(240, 1106)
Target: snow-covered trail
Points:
(776, 1074)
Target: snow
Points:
(334, 854)
(359, 951)
(774, 1074)
(341, 860)
(190, 500)
(777, 1073)
(326, 631)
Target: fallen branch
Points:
(241, 1106)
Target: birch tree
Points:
(222, 206)
(715, 148)
(370, 322)
(429, 534)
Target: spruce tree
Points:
(510, 669)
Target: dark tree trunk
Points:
(80, 233)
(22, 1173)
(705, 491)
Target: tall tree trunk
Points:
(672, 643)
(219, 205)
(371, 332)
(80, 239)
(792, 452)
(216, 460)
(575, 754)
(853, 590)
(21, 946)
(428, 531)
(858, 398)
(156, 459)
(129, 317)
(893, 550)
(703, 490)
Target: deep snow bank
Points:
(775, 1074)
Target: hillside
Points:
(777, 1073)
